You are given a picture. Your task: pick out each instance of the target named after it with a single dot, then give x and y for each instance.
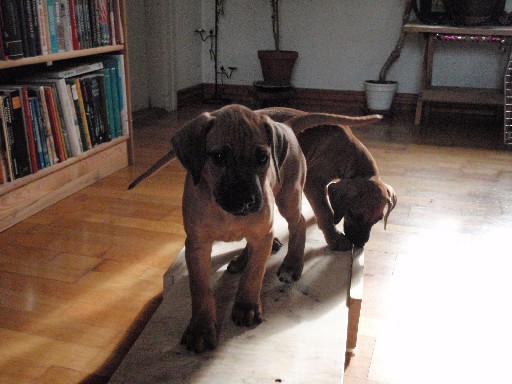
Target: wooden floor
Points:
(79, 280)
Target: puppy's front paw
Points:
(339, 242)
(289, 272)
(247, 314)
(200, 335)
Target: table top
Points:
(486, 30)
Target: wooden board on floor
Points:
(301, 340)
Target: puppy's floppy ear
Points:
(340, 194)
(391, 202)
(278, 144)
(190, 144)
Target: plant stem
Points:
(275, 22)
(395, 54)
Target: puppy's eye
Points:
(262, 158)
(218, 159)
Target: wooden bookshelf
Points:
(26, 196)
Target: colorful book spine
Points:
(104, 22)
(81, 111)
(5, 143)
(73, 25)
(29, 130)
(52, 25)
(18, 141)
(34, 111)
(115, 102)
(44, 32)
(12, 40)
(106, 97)
(55, 124)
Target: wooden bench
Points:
(308, 327)
(440, 94)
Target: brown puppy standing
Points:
(340, 170)
(239, 164)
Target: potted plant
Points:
(277, 65)
(380, 93)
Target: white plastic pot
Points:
(379, 96)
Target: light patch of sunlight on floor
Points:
(450, 301)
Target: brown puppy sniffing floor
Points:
(240, 163)
(343, 180)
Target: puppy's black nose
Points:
(249, 205)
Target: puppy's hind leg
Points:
(239, 262)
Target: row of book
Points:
(52, 116)
(40, 27)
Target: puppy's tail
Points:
(163, 161)
(300, 123)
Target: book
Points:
(73, 25)
(118, 22)
(64, 33)
(46, 126)
(44, 32)
(41, 125)
(87, 24)
(117, 62)
(65, 139)
(20, 9)
(66, 106)
(115, 102)
(3, 56)
(89, 87)
(5, 142)
(35, 21)
(94, 22)
(108, 108)
(12, 40)
(3, 170)
(84, 136)
(35, 130)
(55, 125)
(34, 113)
(80, 26)
(53, 46)
(27, 120)
(104, 22)
(80, 110)
(75, 70)
(16, 132)
(25, 10)
(112, 19)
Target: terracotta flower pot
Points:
(277, 66)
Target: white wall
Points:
(163, 50)
(137, 51)
(341, 44)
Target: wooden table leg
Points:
(426, 77)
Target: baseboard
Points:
(190, 95)
(304, 98)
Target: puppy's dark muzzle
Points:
(240, 198)
(357, 234)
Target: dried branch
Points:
(395, 54)
(275, 22)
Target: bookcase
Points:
(27, 195)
